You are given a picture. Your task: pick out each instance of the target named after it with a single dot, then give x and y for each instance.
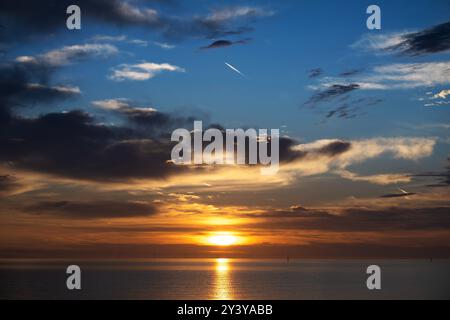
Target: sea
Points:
(224, 279)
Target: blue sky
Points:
(298, 36)
(285, 42)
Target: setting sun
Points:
(222, 239)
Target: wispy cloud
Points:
(125, 106)
(108, 38)
(380, 179)
(331, 91)
(350, 73)
(438, 99)
(142, 71)
(408, 75)
(70, 54)
(433, 40)
(386, 77)
(53, 90)
(239, 12)
(138, 42)
(442, 177)
(163, 45)
(443, 94)
(314, 73)
(379, 43)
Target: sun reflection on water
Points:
(222, 288)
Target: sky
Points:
(86, 117)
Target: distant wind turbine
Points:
(234, 69)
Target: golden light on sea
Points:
(223, 287)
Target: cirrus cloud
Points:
(69, 54)
(432, 40)
(384, 77)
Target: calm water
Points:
(225, 279)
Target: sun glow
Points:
(222, 239)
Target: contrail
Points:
(403, 191)
(234, 69)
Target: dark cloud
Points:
(350, 73)
(151, 121)
(93, 209)
(223, 22)
(289, 154)
(287, 151)
(286, 144)
(73, 145)
(136, 228)
(314, 73)
(235, 32)
(331, 92)
(30, 17)
(352, 109)
(432, 40)
(164, 121)
(27, 80)
(343, 112)
(397, 195)
(357, 219)
(46, 16)
(8, 184)
(335, 148)
(218, 44)
(22, 84)
(38, 93)
(443, 178)
(341, 94)
(76, 145)
(225, 43)
(295, 212)
(369, 101)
